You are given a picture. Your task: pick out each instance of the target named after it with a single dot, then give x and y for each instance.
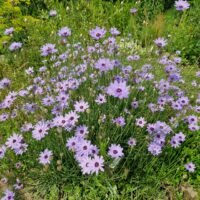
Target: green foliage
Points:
(11, 16)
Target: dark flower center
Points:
(119, 90)
(85, 148)
(98, 34)
(115, 151)
(96, 164)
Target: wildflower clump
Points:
(95, 109)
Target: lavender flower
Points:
(45, 157)
(131, 142)
(64, 32)
(114, 31)
(115, 151)
(140, 122)
(104, 64)
(2, 151)
(96, 165)
(48, 49)
(133, 10)
(8, 195)
(119, 121)
(118, 89)
(40, 130)
(15, 45)
(9, 31)
(181, 5)
(81, 106)
(101, 99)
(154, 149)
(190, 167)
(160, 42)
(97, 33)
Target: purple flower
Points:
(192, 119)
(84, 148)
(8, 195)
(97, 33)
(85, 164)
(48, 101)
(134, 104)
(81, 131)
(64, 32)
(73, 142)
(193, 127)
(81, 106)
(154, 149)
(48, 49)
(118, 89)
(40, 130)
(104, 64)
(119, 121)
(17, 143)
(160, 42)
(133, 10)
(4, 83)
(140, 122)
(18, 185)
(181, 5)
(190, 167)
(177, 140)
(96, 165)
(100, 99)
(15, 45)
(131, 142)
(45, 157)
(9, 31)
(115, 151)
(2, 151)
(114, 31)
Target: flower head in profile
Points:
(48, 49)
(45, 157)
(133, 10)
(160, 42)
(118, 89)
(97, 33)
(114, 31)
(9, 31)
(2, 151)
(64, 32)
(181, 5)
(15, 45)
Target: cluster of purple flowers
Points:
(52, 104)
